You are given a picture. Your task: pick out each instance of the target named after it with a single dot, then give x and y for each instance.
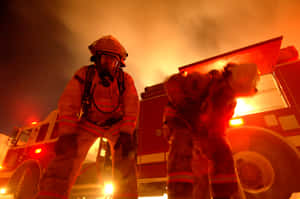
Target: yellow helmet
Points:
(108, 44)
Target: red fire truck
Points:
(265, 136)
(28, 151)
(264, 133)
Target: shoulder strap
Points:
(86, 97)
(121, 81)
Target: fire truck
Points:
(264, 134)
(264, 131)
(26, 154)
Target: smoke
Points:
(33, 53)
(160, 35)
(46, 42)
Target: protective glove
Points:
(126, 143)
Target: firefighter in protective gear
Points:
(110, 111)
(200, 161)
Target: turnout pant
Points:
(200, 166)
(71, 150)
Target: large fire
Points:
(243, 107)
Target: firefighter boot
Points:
(180, 190)
(239, 194)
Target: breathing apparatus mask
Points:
(107, 65)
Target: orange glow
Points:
(259, 72)
(1, 167)
(38, 150)
(2, 191)
(220, 64)
(34, 123)
(243, 107)
(236, 122)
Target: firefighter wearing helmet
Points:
(99, 101)
(200, 162)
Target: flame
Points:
(220, 64)
(242, 107)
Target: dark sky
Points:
(44, 42)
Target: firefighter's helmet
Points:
(184, 91)
(244, 78)
(108, 44)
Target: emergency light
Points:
(108, 189)
(38, 150)
(236, 122)
(2, 191)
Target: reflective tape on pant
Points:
(51, 194)
(169, 112)
(181, 177)
(128, 124)
(224, 178)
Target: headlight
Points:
(2, 190)
(108, 189)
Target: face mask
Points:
(107, 66)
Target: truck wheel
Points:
(25, 181)
(268, 167)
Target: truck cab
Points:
(26, 154)
(29, 150)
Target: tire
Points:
(267, 165)
(25, 181)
